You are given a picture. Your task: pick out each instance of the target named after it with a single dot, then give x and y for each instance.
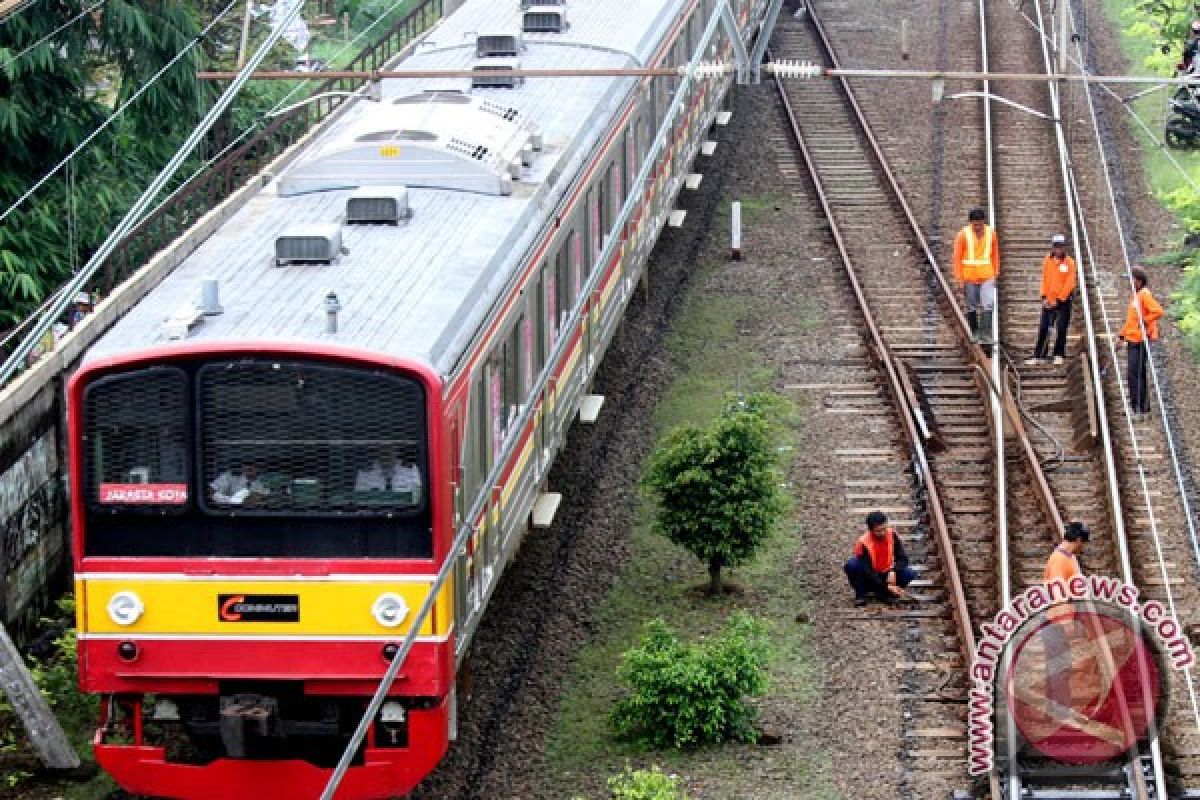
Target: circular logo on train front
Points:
(1084, 686)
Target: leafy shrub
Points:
(687, 695)
(717, 487)
(643, 784)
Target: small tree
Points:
(717, 487)
(687, 695)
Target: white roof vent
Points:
(527, 3)
(482, 80)
(310, 244)
(379, 204)
(491, 45)
(543, 18)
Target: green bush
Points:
(718, 487)
(687, 695)
(645, 784)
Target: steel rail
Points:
(900, 398)
(996, 376)
(1041, 487)
(906, 412)
(1137, 780)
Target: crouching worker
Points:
(879, 565)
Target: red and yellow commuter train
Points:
(398, 328)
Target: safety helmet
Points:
(1196, 26)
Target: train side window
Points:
(593, 221)
(616, 194)
(479, 457)
(525, 360)
(601, 219)
(512, 375)
(575, 254)
(496, 409)
(562, 283)
(543, 315)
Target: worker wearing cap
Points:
(879, 565)
(1057, 293)
(1057, 634)
(1145, 311)
(976, 267)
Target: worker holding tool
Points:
(879, 565)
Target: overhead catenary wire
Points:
(1135, 443)
(51, 34)
(134, 215)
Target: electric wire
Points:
(1136, 445)
(52, 33)
(118, 112)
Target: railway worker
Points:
(1143, 309)
(1058, 291)
(1059, 629)
(879, 565)
(976, 267)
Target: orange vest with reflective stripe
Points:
(976, 260)
(882, 552)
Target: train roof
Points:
(418, 289)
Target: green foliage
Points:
(645, 784)
(687, 695)
(53, 97)
(1165, 22)
(718, 487)
(1185, 203)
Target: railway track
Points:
(938, 388)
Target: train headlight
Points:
(125, 608)
(389, 610)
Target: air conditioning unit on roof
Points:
(378, 204)
(481, 79)
(544, 18)
(308, 244)
(490, 45)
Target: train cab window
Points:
(299, 438)
(137, 442)
(256, 458)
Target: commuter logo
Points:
(258, 607)
(1079, 667)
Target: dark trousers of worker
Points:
(1060, 318)
(865, 580)
(1139, 392)
(1056, 652)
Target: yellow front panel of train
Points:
(232, 606)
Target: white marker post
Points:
(735, 230)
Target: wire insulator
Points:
(794, 69)
(707, 70)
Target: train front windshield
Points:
(256, 457)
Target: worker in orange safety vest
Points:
(879, 565)
(1059, 630)
(976, 267)
(1142, 305)
(1057, 293)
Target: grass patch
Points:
(714, 359)
(1162, 177)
